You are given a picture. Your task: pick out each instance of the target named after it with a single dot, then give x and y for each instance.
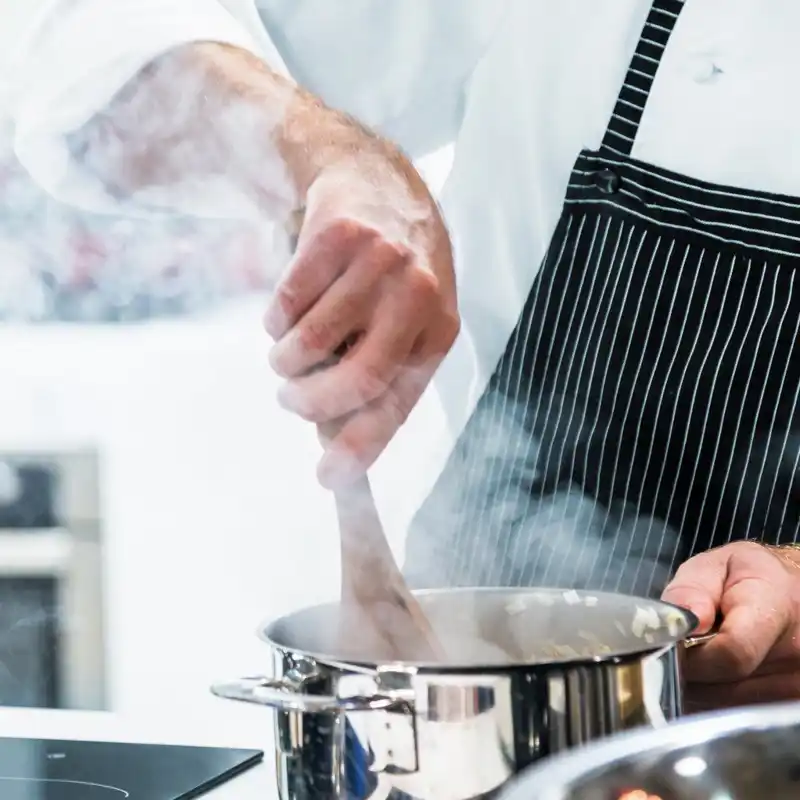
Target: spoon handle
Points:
(373, 588)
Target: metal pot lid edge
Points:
(427, 668)
(619, 657)
(562, 771)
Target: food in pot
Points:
(508, 626)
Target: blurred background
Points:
(155, 503)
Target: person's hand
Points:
(755, 658)
(373, 269)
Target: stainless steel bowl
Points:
(749, 754)
(529, 673)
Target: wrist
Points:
(291, 140)
(280, 138)
(313, 139)
(789, 554)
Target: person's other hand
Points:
(373, 268)
(755, 658)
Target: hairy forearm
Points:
(789, 554)
(213, 111)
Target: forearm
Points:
(214, 111)
(789, 554)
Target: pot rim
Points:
(558, 775)
(617, 658)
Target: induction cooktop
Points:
(39, 769)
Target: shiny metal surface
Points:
(502, 627)
(69, 551)
(460, 731)
(749, 754)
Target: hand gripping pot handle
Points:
(284, 694)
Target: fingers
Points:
(344, 310)
(373, 266)
(362, 376)
(751, 589)
(358, 380)
(749, 631)
(316, 338)
(698, 585)
(319, 260)
(758, 610)
(362, 437)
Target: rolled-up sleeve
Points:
(400, 67)
(64, 60)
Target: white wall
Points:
(215, 521)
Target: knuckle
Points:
(287, 300)
(424, 285)
(311, 409)
(392, 254)
(277, 361)
(313, 336)
(308, 414)
(744, 547)
(743, 659)
(371, 381)
(356, 445)
(347, 231)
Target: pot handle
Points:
(694, 641)
(284, 695)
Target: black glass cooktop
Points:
(38, 769)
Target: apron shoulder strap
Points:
(621, 132)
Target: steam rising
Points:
(506, 513)
(162, 210)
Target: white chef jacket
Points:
(520, 85)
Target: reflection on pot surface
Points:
(739, 755)
(524, 680)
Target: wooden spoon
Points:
(380, 618)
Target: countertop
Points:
(230, 725)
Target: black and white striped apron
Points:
(646, 405)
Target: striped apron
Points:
(646, 405)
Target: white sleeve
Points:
(63, 60)
(401, 67)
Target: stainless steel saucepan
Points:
(528, 674)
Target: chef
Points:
(622, 233)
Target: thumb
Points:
(698, 586)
